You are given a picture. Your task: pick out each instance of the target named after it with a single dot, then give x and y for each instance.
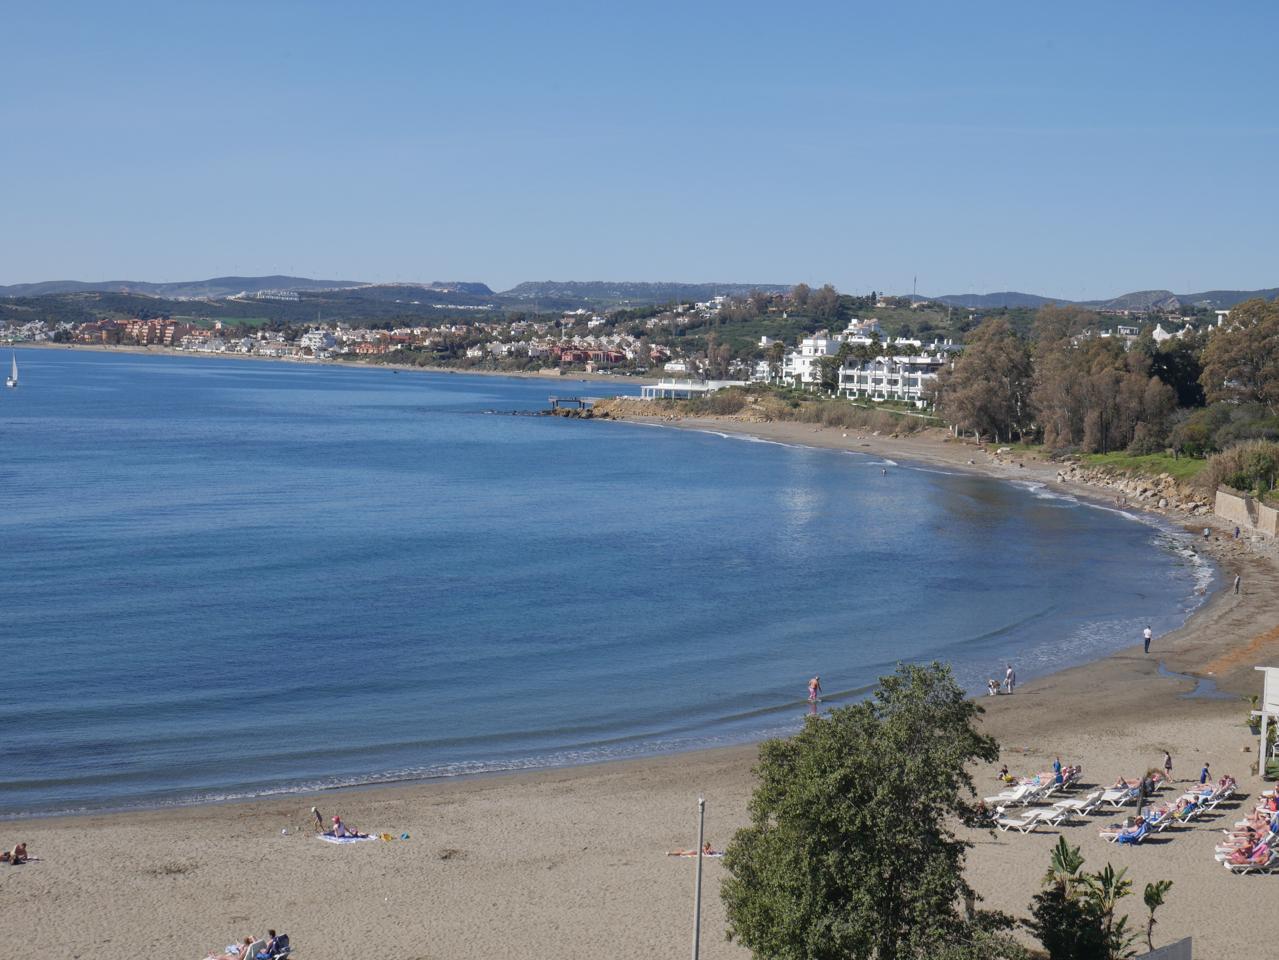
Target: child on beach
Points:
(1204, 775)
(1167, 766)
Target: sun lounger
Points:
(1008, 798)
(1133, 837)
(1126, 834)
(1268, 864)
(1077, 806)
(1118, 797)
(282, 949)
(1027, 823)
(1158, 820)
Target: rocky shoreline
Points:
(1161, 494)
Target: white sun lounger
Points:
(1270, 866)
(1119, 796)
(1011, 797)
(1027, 823)
(1081, 806)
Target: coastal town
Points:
(863, 360)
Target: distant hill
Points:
(565, 294)
(989, 301)
(1139, 300)
(1225, 299)
(214, 288)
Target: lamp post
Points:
(697, 891)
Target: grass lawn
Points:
(1183, 469)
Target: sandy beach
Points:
(571, 863)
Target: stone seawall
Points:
(1247, 512)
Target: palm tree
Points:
(1064, 867)
(1154, 900)
(1106, 888)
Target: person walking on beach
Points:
(1010, 679)
(1146, 634)
(1237, 583)
(1167, 766)
(814, 689)
(1204, 775)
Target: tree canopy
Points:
(988, 389)
(849, 852)
(1241, 359)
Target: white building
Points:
(804, 365)
(1160, 335)
(684, 389)
(317, 341)
(902, 378)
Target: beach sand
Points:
(571, 863)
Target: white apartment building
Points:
(903, 378)
(317, 341)
(803, 365)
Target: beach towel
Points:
(328, 839)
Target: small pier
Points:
(580, 403)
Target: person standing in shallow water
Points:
(814, 689)
(1146, 635)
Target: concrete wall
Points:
(1174, 951)
(1246, 512)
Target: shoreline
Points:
(550, 375)
(570, 861)
(787, 433)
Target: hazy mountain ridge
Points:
(613, 292)
(1139, 300)
(213, 288)
(574, 294)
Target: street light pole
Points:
(697, 894)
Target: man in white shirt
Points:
(1147, 635)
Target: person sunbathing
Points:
(707, 851)
(1257, 820)
(1120, 830)
(1257, 853)
(15, 856)
(340, 829)
(274, 944)
(237, 951)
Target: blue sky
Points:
(1073, 150)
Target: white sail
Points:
(13, 376)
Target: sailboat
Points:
(12, 380)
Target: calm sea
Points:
(224, 579)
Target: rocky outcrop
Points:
(1160, 493)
